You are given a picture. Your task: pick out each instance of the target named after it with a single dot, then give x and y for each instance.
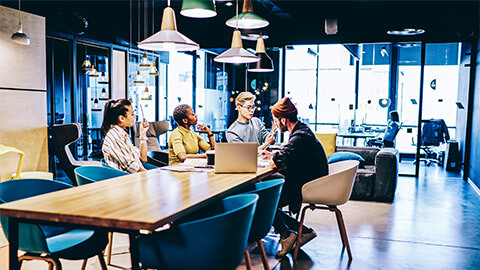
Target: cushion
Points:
(328, 141)
(345, 155)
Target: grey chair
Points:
(156, 156)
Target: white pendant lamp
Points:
(20, 37)
(198, 8)
(144, 62)
(168, 38)
(247, 19)
(139, 78)
(236, 54)
(153, 70)
(265, 63)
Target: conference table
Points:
(131, 203)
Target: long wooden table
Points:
(142, 201)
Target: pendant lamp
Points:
(265, 63)
(247, 19)
(138, 78)
(20, 37)
(144, 62)
(153, 70)
(236, 54)
(103, 94)
(93, 72)
(198, 8)
(103, 79)
(168, 38)
(86, 63)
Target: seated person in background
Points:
(118, 150)
(184, 142)
(303, 159)
(393, 126)
(248, 128)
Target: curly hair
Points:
(180, 113)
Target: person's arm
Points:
(211, 138)
(267, 137)
(143, 127)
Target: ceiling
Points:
(291, 22)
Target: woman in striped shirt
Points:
(118, 150)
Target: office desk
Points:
(141, 201)
(355, 136)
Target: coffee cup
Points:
(210, 157)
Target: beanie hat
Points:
(284, 108)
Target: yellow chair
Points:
(8, 149)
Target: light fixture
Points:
(253, 36)
(247, 19)
(96, 105)
(198, 8)
(384, 52)
(20, 37)
(168, 38)
(87, 65)
(139, 78)
(384, 102)
(103, 94)
(265, 63)
(153, 69)
(236, 54)
(93, 72)
(406, 32)
(144, 62)
(103, 79)
(146, 94)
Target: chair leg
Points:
(248, 264)
(103, 265)
(50, 266)
(266, 266)
(52, 262)
(84, 264)
(300, 229)
(109, 249)
(57, 264)
(343, 231)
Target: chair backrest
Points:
(61, 136)
(32, 238)
(269, 194)
(334, 188)
(89, 174)
(434, 132)
(156, 129)
(215, 242)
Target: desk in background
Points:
(356, 136)
(141, 201)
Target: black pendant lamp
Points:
(265, 63)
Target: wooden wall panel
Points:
(22, 66)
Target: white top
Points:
(119, 152)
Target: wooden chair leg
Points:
(50, 266)
(266, 266)
(84, 264)
(57, 264)
(300, 229)
(109, 249)
(248, 264)
(103, 265)
(343, 231)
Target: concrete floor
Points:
(434, 223)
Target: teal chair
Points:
(89, 174)
(50, 243)
(217, 241)
(146, 165)
(269, 195)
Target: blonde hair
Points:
(242, 97)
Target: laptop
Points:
(236, 157)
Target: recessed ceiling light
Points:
(406, 32)
(228, 4)
(253, 36)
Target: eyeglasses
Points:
(249, 107)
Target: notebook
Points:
(236, 157)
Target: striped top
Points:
(119, 152)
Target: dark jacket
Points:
(303, 159)
(434, 132)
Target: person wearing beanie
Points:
(248, 128)
(302, 159)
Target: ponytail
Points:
(113, 109)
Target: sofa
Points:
(377, 179)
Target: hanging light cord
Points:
(19, 9)
(236, 16)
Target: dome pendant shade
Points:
(236, 54)
(168, 38)
(247, 19)
(265, 63)
(198, 8)
(20, 37)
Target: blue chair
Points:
(89, 174)
(56, 242)
(214, 242)
(146, 165)
(269, 195)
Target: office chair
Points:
(434, 133)
(155, 155)
(60, 138)
(50, 243)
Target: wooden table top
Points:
(138, 201)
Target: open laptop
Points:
(236, 157)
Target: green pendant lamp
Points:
(247, 19)
(265, 63)
(198, 8)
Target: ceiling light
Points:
(247, 19)
(253, 36)
(96, 105)
(228, 4)
(20, 37)
(93, 72)
(86, 63)
(138, 78)
(406, 32)
(236, 54)
(103, 94)
(144, 62)
(103, 79)
(168, 38)
(384, 52)
(265, 63)
(153, 70)
(198, 8)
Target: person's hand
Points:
(143, 127)
(204, 128)
(265, 155)
(270, 138)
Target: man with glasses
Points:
(248, 128)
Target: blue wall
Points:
(474, 173)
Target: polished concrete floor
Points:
(434, 223)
